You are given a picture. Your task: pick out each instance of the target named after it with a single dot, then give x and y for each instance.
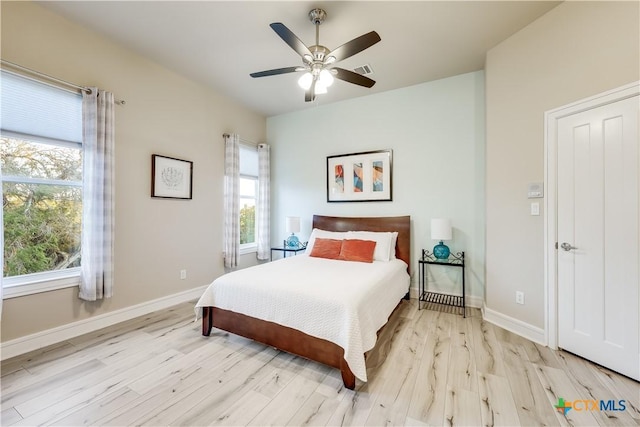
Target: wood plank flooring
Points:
(430, 367)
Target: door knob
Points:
(567, 247)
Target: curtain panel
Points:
(231, 200)
(263, 203)
(98, 195)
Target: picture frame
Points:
(360, 177)
(171, 178)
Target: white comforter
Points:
(340, 301)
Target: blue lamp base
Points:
(441, 251)
(292, 241)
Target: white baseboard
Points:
(516, 326)
(470, 300)
(474, 301)
(45, 338)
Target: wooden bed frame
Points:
(292, 340)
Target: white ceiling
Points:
(220, 43)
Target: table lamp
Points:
(292, 226)
(441, 230)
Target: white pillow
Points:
(392, 249)
(323, 234)
(383, 241)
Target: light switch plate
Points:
(535, 208)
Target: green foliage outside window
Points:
(247, 224)
(42, 221)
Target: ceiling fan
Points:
(318, 60)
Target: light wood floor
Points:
(429, 368)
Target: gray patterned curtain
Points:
(263, 203)
(231, 200)
(98, 141)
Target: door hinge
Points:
(556, 245)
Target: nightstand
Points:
(454, 260)
(288, 250)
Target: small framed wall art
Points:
(360, 177)
(171, 178)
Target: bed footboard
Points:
(281, 337)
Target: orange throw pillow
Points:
(357, 250)
(326, 248)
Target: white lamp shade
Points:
(293, 224)
(441, 229)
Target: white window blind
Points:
(248, 161)
(36, 109)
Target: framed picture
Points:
(171, 178)
(359, 177)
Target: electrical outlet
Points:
(519, 297)
(183, 274)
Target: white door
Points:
(598, 235)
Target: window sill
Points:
(249, 249)
(30, 284)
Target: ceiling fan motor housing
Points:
(319, 52)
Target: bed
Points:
(318, 340)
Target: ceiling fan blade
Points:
(352, 77)
(275, 72)
(291, 39)
(354, 46)
(309, 94)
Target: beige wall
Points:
(164, 114)
(576, 50)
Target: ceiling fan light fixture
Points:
(305, 81)
(326, 78)
(320, 89)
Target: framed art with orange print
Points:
(360, 177)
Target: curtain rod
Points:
(54, 79)
(244, 141)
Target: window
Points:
(248, 198)
(41, 161)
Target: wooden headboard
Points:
(401, 224)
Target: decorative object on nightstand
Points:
(292, 226)
(441, 230)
